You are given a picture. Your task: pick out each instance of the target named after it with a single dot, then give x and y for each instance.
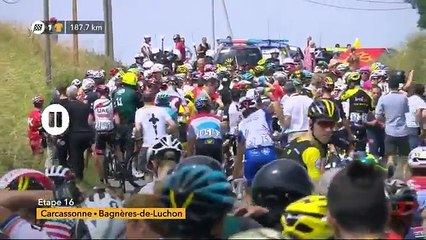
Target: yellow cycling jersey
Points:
(302, 150)
(191, 108)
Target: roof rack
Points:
(270, 43)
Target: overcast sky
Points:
(290, 19)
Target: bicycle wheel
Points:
(118, 173)
(107, 163)
(127, 170)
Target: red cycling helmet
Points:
(25, 179)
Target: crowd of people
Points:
(333, 153)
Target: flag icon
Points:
(38, 27)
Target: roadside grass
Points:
(22, 77)
(411, 55)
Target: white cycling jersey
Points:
(234, 117)
(103, 112)
(154, 123)
(255, 130)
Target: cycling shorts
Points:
(101, 141)
(183, 128)
(210, 147)
(255, 158)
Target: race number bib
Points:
(358, 118)
(104, 126)
(260, 140)
(208, 133)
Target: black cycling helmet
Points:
(280, 183)
(197, 160)
(323, 109)
(176, 37)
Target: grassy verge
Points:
(22, 70)
(412, 55)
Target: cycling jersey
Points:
(204, 126)
(191, 108)
(126, 101)
(360, 103)
(309, 155)
(234, 117)
(255, 132)
(103, 113)
(154, 123)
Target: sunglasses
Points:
(326, 124)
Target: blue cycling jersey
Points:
(204, 126)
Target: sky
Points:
(273, 19)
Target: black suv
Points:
(243, 54)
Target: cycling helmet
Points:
(209, 68)
(88, 84)
(250, 100)
(379, 74)
(102, 90)
(371, 160)
(139, 55)
(90, 73)
(189, 95)
(205, 194)
(376, 66)
(417, 157)
(157, 68)
(343, 67)
(280, 183)
(100, 74)
(38, 100)
(102, 228)
(364, 69)
(197, 160)
(280, 76)
(403, 198)
(306, 74)
(147, 65)
(25, 179)
(354, 77)
(76, 82)
(162, 99)
(130, 79)
(181, 69)
(307, 219)
(258, 69)
(202, 102)
(323, 109)
(165, 148)
(210, 76)
(247, 76)
(328, 83)
(176, 37)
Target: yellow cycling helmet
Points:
(354, 77)
(181, 69)
(261, 62)
(229, 62)
(251, 71)
(189, 95)
(130, 78)
(306, 219)
(133, 70)
(259, 69)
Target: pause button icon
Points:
(55, 119)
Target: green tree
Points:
(421, 6)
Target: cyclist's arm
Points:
(313, 161)
(18, 228)
(191, 137)
(241, 147)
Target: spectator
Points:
(357, 203)
(295, 108)
(188, 53)
(202, 48)
(180, 46)
(375, 129)
(415, 104)
(146, 49)
(353, 60)
(392, 109)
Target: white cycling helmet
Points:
(157, 68)
(274, 50)
(417, 157)
(88, 84)
(104, 228)
(280, 76)
(210, 75)
(250, 100)
(147, 65)
(76, 82)
(163, 145)
(139, 55)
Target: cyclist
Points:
(35, 135)
(204, 131)
(89, 95)
(275, 186)
(152, 123)
(310, 149)
(162, 157)
(126, 101)
(360, 106)
(104, 118)
(254, 137)
(404, 204)
(184, 117)
(306, 219)
(207, 197)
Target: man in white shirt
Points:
(152, 123)
(146, 49)
(295, 109)
(415, 104)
